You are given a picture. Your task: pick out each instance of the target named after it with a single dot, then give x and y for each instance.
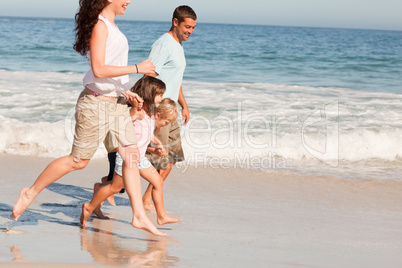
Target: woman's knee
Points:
(81, 164)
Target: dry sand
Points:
(231, 218)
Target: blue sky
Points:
(365, 14)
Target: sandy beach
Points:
(231, 218)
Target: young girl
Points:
(165, 112)
(100, 107)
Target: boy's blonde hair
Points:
(167, 109)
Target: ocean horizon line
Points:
(221, 23)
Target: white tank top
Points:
(116, 55)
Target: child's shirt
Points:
(144, 131)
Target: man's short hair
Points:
(184, 12)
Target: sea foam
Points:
(231, 123)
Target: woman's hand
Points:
(133, 98)
(146, 67)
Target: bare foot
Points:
(110, 199)
(84, 215)
(145, 224)
(22, 204)
(167, 219)
(98, 212)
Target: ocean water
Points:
(288, 99)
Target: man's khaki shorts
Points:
(171, 140)
(101, 119)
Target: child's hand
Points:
(160, 151)
(133, 98)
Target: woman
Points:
(101, 113)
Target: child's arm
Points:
(137, 115)
(159, 150)
(151, 149)
(156, 130)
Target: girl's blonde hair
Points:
(167, 109)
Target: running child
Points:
(145, 129)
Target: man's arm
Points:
(158, 55)
(185, 112)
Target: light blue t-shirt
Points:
(168, 56)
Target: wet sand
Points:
(231, 218)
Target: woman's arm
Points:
(98, 52)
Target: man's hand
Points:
(184, 108)
(185, 115)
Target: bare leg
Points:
(54, 171)
(103, 192)
(97, 211)
(156, 180)
(110, 199)
(147, 198)
(132, 184)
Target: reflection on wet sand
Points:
(107, 248)
(18, 257)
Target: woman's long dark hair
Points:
(85, 20)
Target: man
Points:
(168, 56)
